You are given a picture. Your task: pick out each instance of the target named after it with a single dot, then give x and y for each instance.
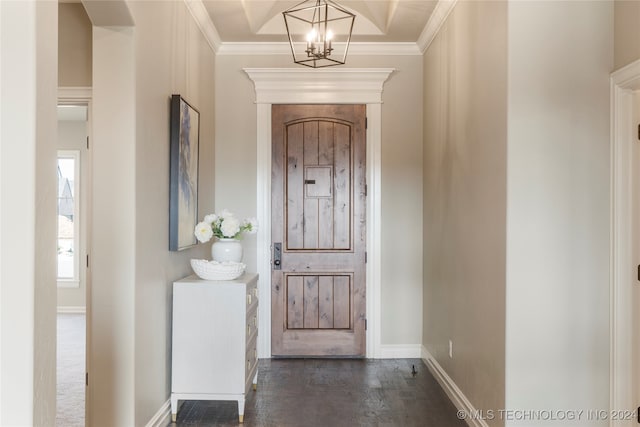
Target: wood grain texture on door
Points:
(318, 214)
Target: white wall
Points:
(45, 265)
(557, 341)
(27, 219)
(17, 230)
(465, 148)
(401, 173)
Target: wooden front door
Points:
(318, 230)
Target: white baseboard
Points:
(453, 391)
(399, 351)
(72, 309)
(162, 417)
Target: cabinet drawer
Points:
(252, 324)
(252, 296)
(251, 359)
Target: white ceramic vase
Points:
(226, 250)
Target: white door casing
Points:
(325, 86)
(84, 96)
(624, 83)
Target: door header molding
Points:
(299, 86)
(74, 94)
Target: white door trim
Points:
(81, 95)
(298, 86)
(623, 83)
(74, 95)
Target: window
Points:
(68, 218)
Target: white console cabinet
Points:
(215, 330)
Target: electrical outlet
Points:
(450, 349)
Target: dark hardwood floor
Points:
(333, 392)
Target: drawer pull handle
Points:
(249, 299)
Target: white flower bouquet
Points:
(224, 226)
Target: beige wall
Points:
(465, 148)
(172, 57)
(401, 196)
(111, 317)
(557, 343)
(401, 175)
(74, 45)
(627, 32)
(516, 203)
(136, 70)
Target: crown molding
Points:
(384, 49)
(283, 48)
(296, 85)
(254, 48)
(74, 93)
(438, 17)
(436, 20)
(201, 16)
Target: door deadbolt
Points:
(277, 256)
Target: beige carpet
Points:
(70, 370)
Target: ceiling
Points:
(377, 21)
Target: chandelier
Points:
(319, 32)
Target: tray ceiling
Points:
(379, 21)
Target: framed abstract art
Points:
(183, 193)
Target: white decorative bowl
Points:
(213, 270)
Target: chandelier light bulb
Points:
(311, 35)
(328, 38)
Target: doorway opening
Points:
(345, 86)
(73, 175)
